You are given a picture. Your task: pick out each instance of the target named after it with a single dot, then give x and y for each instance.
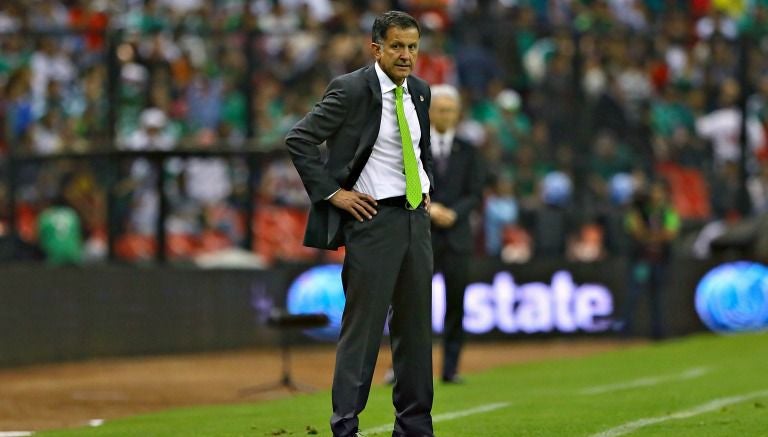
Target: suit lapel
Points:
(417, 96)
(371, 130)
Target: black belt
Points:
(398, 201)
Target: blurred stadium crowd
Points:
(576, 104)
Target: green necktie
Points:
(412, 182)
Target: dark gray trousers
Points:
(455, 269)
(388, 262)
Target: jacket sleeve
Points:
(473, 192)
(304, 139)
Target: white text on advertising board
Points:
(529, 308)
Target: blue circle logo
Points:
(319, 290)
(733, 297)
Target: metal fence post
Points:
(743, 201)
(113, 159)
(250, 133)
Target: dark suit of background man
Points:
(359, 200)
(459, 177)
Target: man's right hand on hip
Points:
(360, 206)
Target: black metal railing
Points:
(105, 150)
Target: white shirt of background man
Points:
(442, 143)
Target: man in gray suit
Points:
(372, 195)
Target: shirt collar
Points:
(386, 83)
(447, 136)
(447, 139)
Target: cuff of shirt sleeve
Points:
(332, 194)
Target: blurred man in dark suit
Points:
(459, 180)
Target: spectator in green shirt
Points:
(505, 120)
(60, 234)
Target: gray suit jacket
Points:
(347, 120)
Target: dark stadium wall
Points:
(55, 314)
(62, 314)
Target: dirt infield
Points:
(72, 394)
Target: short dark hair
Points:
(389, 19)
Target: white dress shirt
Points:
(383, 175)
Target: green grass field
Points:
(699, 386)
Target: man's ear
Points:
(376, 50)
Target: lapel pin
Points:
(421, 98)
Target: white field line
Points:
(15, 433)
(693, 373)
(712, 405)
(445, 416)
